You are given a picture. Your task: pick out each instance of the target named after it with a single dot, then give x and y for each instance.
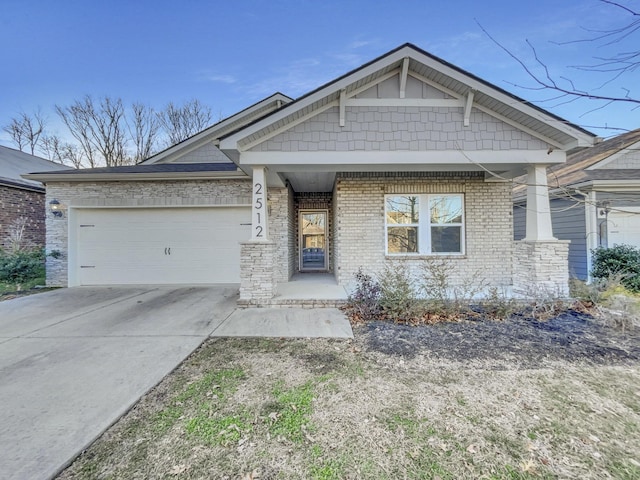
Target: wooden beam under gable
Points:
(467, 107)
(403, 77)
(343, 107)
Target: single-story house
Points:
(595, 200)
(22, 200)
(405, 158)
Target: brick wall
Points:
(16, 203)
(360, 232)
(123, 194)
(401, 128)
(279, 217)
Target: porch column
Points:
(541, 261)
(538, 211)
(259, 220)
(257, 256)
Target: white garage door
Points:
(160, 245)
(624, 228)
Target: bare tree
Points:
(25, 130)
(99, 128)
(144, 127)
(56, 150)
(181, 122)
(614, 65)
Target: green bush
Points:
(21, 266)
(622, 261)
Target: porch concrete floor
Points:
(311, 286)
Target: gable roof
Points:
(453, 80)
(215, 131)
(14, 164)
(577, 168)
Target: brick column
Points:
(257, 272)
(541, 267)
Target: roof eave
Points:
(117, 177)
(210, 132)
(611, 184)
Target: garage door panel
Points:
(160, 246)
(623, 227)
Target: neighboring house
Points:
(400, 160)
(22, 200)
(595, 200)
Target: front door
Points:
(314, 247)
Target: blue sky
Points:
(230, 54)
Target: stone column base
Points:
(541, 267)
(257, 271)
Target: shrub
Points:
(622, 260)
(397, 294)
(444, 295)
(21, 266)
(364, 302)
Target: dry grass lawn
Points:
(327, 409)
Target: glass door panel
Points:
(313, 241)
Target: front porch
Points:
(304, 290)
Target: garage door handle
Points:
(165, 250)
(169, 250)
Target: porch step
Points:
(292, 303)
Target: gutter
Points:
(119, 177)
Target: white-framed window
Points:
(424, 224)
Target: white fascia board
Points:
(391, 158)
(133, 177)
(608, 185)
(213, 131)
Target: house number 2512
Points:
(258, 206)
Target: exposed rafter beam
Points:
(343, 106)
(467, 107)
(403, 77)
(404, 102)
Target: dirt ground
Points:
(520, 341)
(517, 399)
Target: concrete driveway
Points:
(72, 361)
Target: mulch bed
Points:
(526, 343)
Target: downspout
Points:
(591, 227)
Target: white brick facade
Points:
(130, 194)
(360, 231)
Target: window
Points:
(424, 224)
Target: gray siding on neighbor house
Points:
(620, 199)
(627, 160)
(569, 223)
